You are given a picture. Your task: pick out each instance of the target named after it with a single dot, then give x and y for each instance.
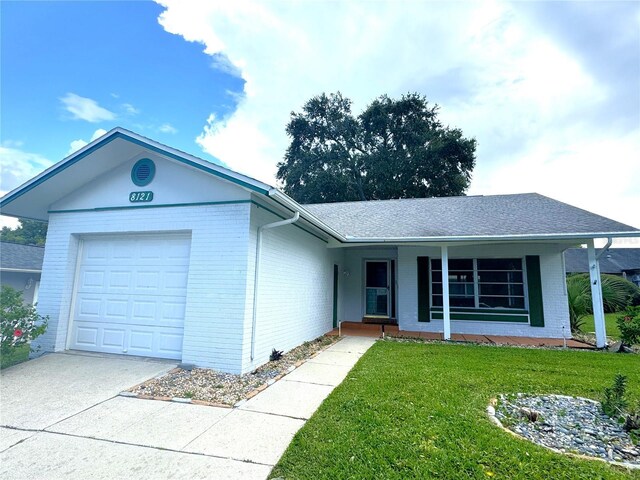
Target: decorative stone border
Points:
(491, 413)
(250, 395)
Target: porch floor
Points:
(356, 329)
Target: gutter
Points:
(19, 270)
(256, 277)
(471, 238)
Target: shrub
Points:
(629, 326)
(275, 355)
(616, 294)
(19, 322)
(614, 404)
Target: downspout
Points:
(256, 278)
(606, 247)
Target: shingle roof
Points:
(614, 261)
(27, 257)
(521, 214)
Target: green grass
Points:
(412, 410)
(18, 355)
(609, 321)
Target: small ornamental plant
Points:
(629, 326)
(19, 322)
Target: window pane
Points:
(460, 264)
(437, 300)
(499, 264)
(376, 274)
(461, 289)
(462, 302)
(501, 302)
(436, 264)
(437, 288)
(436, 276)
(501, 289)
(500, 277)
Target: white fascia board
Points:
(19, 270)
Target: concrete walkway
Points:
(91, 432)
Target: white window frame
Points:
(477, 306)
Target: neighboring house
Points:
(20, 268)
(151, 251)
(617, 261)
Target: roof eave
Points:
(118, 132)
(289, 203)
(467, 238)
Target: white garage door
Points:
(131, 294)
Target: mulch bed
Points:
(211, 387)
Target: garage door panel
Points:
(90, 308)
(119, 279)
(86, 336)
(131, 295)
(112, 337)
(141, 341)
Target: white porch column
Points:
(596, 295)
(446, 313)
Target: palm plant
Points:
(616, 292)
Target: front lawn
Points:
(18, 355)
(414, 410)
(611, 326)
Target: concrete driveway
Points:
(61, 417)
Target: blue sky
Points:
(548, 89)
(57, 57)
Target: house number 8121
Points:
(140, 197)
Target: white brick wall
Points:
(295, 288)
(216, 294)
(556, 312)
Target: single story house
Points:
(624, 262)
(151, 251)
(20, 268)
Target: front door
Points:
(377, 282)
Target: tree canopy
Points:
(28, 232)
(395, 148)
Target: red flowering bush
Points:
(19, 322)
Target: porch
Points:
(494, 292)
(357, 329)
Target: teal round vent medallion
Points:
(143, 171)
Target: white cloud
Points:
(167, 128)
(82, 108)
(78, 144)
(496, 74)
(129, 109)
(19, 166)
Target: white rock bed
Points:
(568, 425)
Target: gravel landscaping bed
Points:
(212, 387)
(567, 424)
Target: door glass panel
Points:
(377, 291)
(377, 274)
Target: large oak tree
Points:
(396, 148)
